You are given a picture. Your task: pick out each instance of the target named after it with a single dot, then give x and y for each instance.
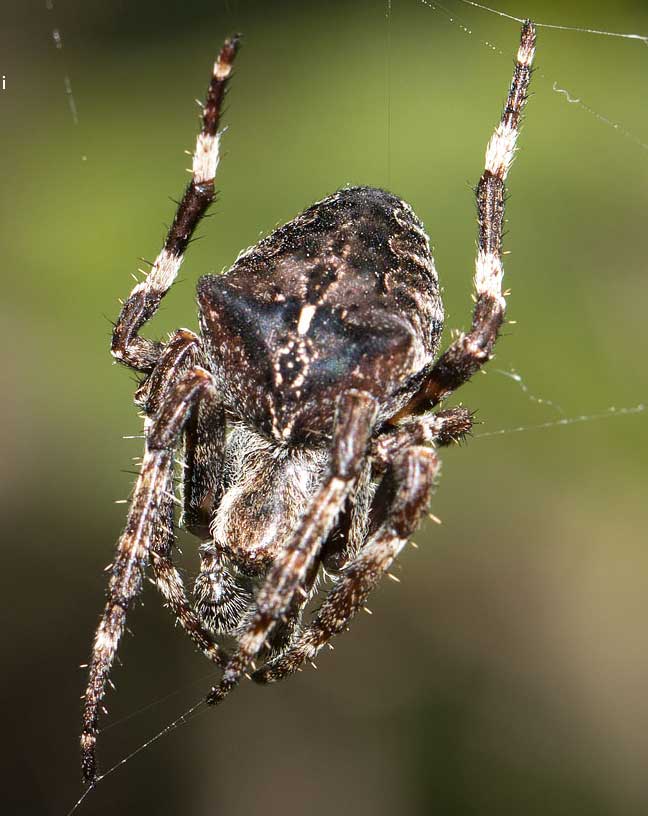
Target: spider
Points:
(305, 412)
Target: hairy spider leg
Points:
(149, 523)
(355, 419)
(181, 353)
(350, 531)
(361, 516)
(438, 429)
(470, 351)
(203, 466)
(289, 624)
(127, 346)
(403, 495)
(204, 434)
(148, 533)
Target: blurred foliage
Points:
(507, 673)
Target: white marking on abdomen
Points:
(305, 317)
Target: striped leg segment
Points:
(127, 346)
(126, 574)
(406, 487)
(470, 351)
(356, 414)
(148, 534)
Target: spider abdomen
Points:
(343, 296)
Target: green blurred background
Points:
(508, 672)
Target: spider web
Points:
(57, 39)
(464, 16)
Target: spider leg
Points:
(289, 626)
(355, 417)
(167, 576)
(350, 530)
(177, 356)
(404, 494)
(470, 351)
(203, 466)
(441, 428)
(364, 511)
(127, 346)
(148, 531)
(204, 443)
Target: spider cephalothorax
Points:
(304, 409)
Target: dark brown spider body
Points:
(344, 296)
(304, 411)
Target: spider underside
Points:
(304, 408)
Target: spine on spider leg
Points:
(145, 298)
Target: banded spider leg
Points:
(168, 396)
